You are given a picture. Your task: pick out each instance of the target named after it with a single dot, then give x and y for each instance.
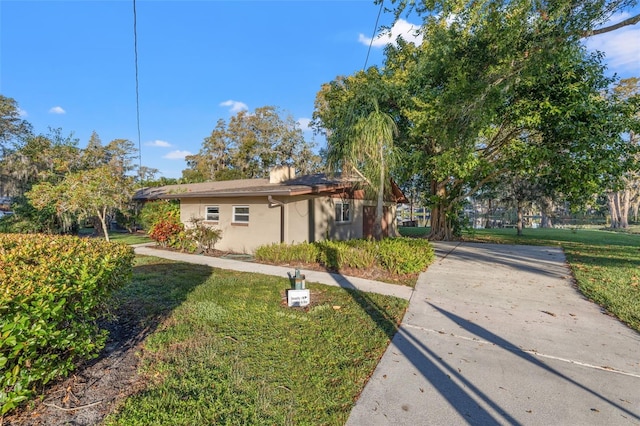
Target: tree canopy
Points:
(495, 86)
(102, 185)
(249, 146)
(12, 127)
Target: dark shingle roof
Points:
(307, 184)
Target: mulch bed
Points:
(96, 387)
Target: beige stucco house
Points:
(283, 208)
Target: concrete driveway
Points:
(498, 334)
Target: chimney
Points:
(281, 174)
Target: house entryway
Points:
(369, 221)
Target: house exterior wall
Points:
(262, 228)
(305, 218)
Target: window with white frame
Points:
(240, 214)
(213, 213)
(343, 212)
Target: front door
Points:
(369, 221)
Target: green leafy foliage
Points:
(249, 145)
(167, 233)
(396, 255)
(52, 291)
(154, 211)
(285, 253)
(203, 236)
(337, 255)
(404, 255)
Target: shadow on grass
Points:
(156, 289)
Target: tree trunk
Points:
(102, 215)
(546, 209)
(624, 207)
(441, 229)
(377, 232)
(487, 222)
(613, 210)
(519, 224)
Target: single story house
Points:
(283, 208)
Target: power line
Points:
(375, 28)
(135, 52)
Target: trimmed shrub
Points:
(52, 291)
(332, 254)
(404, 255)
(397, 255)
(287, 253)
(167, 233)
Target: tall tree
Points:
(13, 131)
(249, 146)
(12, 127)
(495, 85)
(95, 192)
(625, 195)
(369, 152)
(92, 184)
(39, 158)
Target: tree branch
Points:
(630, 21)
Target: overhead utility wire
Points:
(135, 52)
(372, 36)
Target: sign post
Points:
(298, 295)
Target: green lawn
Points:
(227, 350)
(130, 239)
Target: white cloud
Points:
(620, 46)
(177, 155)
(159, 143)
(57, 110)
(235, 106)
(304, 124)
(22, 113)
(407, 30)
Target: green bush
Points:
(404, 255)
(287, 253)
(155, 211)
(396, 255)
(52, 291)
(331, 254)
(203, 237)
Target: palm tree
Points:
(369, 152)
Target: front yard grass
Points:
(227, 350)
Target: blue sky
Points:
(70, 64)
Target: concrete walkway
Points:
(498, 334)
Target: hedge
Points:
(396, 255)
(52, 291)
